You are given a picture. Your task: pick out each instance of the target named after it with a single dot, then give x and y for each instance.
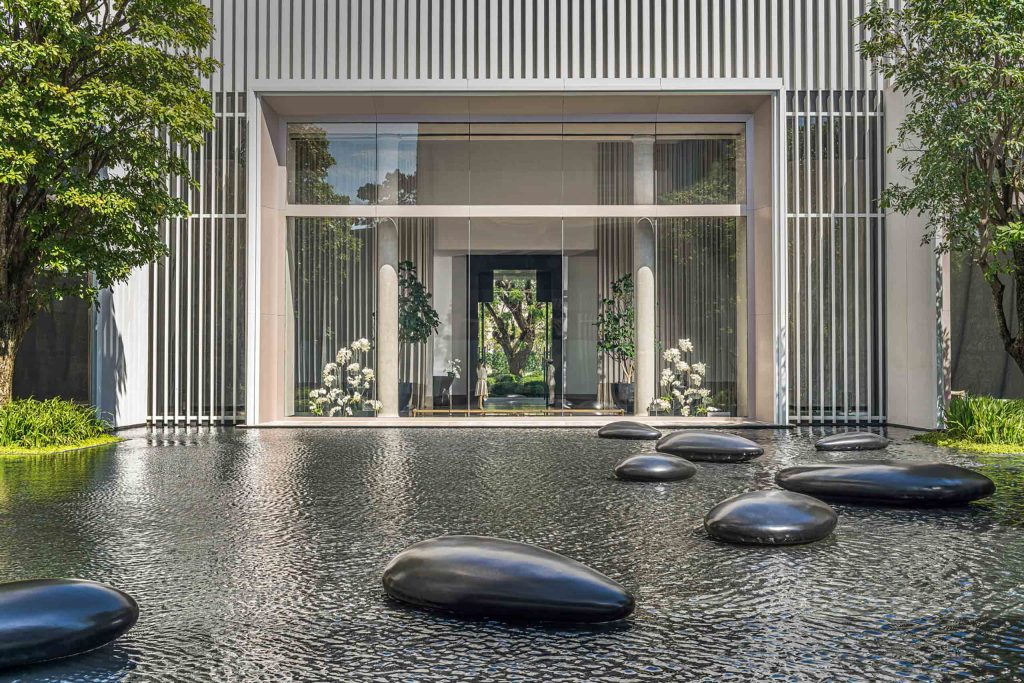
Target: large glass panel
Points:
(331, 289)
(514, 163)
(432, 315)
(701, 283)
(597, 288)
(516, 316)
(693, 167)
(423, 163)
(332, 163)
(598, 162)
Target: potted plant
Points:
(417, 319)
(346, 385)
(616, 336)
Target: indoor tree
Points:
(417, 319)
(616, 326)
(98, 101)
(961, 67)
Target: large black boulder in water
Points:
(709, 446)
(852, 441)
(627, 429)
(770, 518)
(492, 577)
(48, 619)
(654, 467)
(890, 482)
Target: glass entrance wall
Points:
(516, 292)
(513, 164)
(332, 287)
(433, 318)
(701, 310)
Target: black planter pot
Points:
(404, 397)
(622, 395)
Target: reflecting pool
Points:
(256, 555)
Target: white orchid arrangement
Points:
(346, 383)
(684, 383)
(453, 368)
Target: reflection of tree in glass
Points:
(717, 185)
(332, 238)
(397, 188)
(516, 322)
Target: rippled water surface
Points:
(256, 555)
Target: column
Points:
(643, 274)
(387, 317)
(916, 305)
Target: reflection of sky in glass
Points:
(362, 158)
(356, 163)
(385, 160)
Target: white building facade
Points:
(722, 158)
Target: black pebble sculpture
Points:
(482, 576)
(888, 482)
(706, 446)
(627, 429)
(852, 441)
(47, 619)
(654, 467)
(770, 518)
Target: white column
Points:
(387, 317)
(916, 307)
(643, 282)
(643, 274)
(120, 351)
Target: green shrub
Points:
(32, 424)
(987, 420)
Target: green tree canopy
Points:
(97, 100)
(960, 64)
(516, 321)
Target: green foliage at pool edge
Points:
(982, 424)
(31, 426)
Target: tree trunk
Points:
(1013, 344)
(8, 352)
(519, 358)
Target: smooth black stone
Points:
(48, 619)
(890, 482)
(627, 429)
(654, 467)
(492, 577)
(709, 446)
(770, 518)
(852, 441)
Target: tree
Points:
(98, 100)
(516, 319)
(616, 326)
(417, 319)
(961, 66)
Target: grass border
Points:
(944, 439)
(94, 442)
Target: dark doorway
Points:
(522, 377)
